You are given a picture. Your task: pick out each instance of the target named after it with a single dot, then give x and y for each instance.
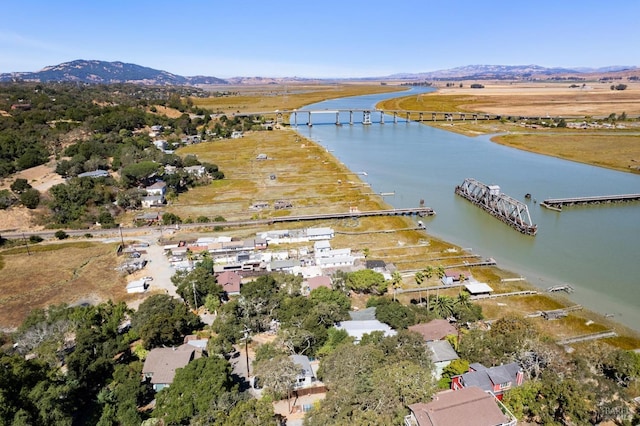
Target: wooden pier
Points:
(558, 203)
(566, 288)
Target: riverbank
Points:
(315, 181)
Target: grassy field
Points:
(73, 272)
(277, 97)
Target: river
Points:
(592, 248)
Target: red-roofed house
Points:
(436, 329)
(469, 407)
(230, 282)
(317, 282)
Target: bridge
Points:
(489, 198)
(370, 116)
(558, 203)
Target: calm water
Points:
(595, 249)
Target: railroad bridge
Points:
(371, 116)
(489, 198)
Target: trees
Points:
(196, 285)
(163, 320)
(278, 375)
(366, 281)
(195, 389)
(30, 198)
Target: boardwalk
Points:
(558, 203)
(585, 337)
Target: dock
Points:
(585, 337)
(501, 206)
(558, 203)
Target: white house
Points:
(306, 377)
(319, 233)
(321, 246)
(137, 286)
(357, 329)
(197, 171)
(158, 188)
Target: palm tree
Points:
(428, 273)
(396, 283)
(443, 306)
(440, 273)
(419, 279)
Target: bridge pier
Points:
(351, 118)
(366, 117)
(381, 117)
(279, 118)
(420, 117)
(295, 118)
(309, 123)
(463, 116)
(395, 117)
(337, 118)
(408, 114)
(434, 116)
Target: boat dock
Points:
(558, 203)
(489, 198)
(566, 288)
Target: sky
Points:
(319, 38)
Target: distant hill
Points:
(93, 71)
(509, 72)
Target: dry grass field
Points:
(283, 97)
(70, 272)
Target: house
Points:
(436, 329)
(283, 265)
(306, 377)
(319, 234)
(442, 353)
(161, 364)
(152, 201)
(161, 144)
(317, 282)
(197, 171)
(357, 329)
(320, 247)
(231, 282)
(158, 188)
(452, 276)
(376, 265)
(469, 407)
(495, 379)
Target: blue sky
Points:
(330, 38)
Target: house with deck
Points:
(496, 379)
(161, 364)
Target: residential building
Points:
(158, 188)
(230, 282)
(442, 353)
(317, 282)
(319, 234)
(496, 379)
(306, 377)
(161, 364)
(357, 329)
(469, 407)
(436, 329)
(95, 174)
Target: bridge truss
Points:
(488, 197)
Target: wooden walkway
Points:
(558, 203)
(496, 295)
(585, 337)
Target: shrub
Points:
(61, 235)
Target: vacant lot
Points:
(50, 274)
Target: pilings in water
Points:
(489, 198)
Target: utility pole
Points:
(25, 243)
(246, 348)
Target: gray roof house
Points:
(306, 377)
(494, 379)
(161, 364)
(357, 329)
(442, 353)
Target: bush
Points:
(61, 235)
(35, 239)
(30, 198)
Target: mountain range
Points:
(95, 71)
